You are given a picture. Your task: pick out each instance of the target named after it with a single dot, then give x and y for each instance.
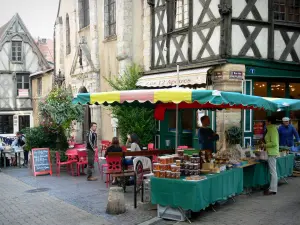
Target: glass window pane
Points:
(260, 89)
(278, 90)
(295, 115)
(19, 78)
(26, 85)
(26, 78)
(172, 121)
(187, 122)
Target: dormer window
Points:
(16, 51)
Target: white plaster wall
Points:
(261, 5)
(30, 59)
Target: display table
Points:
(196, 195)
(259, 175)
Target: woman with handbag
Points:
(272, 148)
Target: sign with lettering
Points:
(236, 75)
(41, 161)
(218, 75)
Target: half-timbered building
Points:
(19, 57)
(250, 46)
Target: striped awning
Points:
(186, 78)
(197, 98)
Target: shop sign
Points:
(236, 75)
(218, 75)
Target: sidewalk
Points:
(19, 206)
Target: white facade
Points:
(19, 57)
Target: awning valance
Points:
(186, 77)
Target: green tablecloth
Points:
(258, 175)
(196, 195)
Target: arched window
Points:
(68, 41)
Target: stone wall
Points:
(223, 82)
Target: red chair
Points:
(114, 165)
(72, 155)
(79, 146)
(104, 145)
(182, 147)
(124, 149)
(97, 159)
(151, 148)
(82, 161)
(59, 164)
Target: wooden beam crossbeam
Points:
(289, 49)
(250, 7)
(250, 41)
(160, 15)
(205, 41)
(160, 48)
(178, 48)
(206, 10)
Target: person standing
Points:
(287, 132)
(272, 147)
(207, 137)
(91, 145)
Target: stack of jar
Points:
(190, 165)
(166, 168)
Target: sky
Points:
(38, 15)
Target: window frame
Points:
(16, 51)
(182, 13)
(287, 7)
(110, 23)
(9, 122)
(23, 83)
(68, 38)
(84, 14)
(39, 86)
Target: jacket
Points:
(286, 135)
(272, 140)
(91, 143)
(207, 139)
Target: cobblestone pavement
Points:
(92, 198)
(18, 206)
(88, 196)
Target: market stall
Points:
(193, 183)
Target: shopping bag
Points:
(263, 155)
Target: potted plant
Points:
(234, 137)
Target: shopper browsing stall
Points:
(272, 147)
(287, 132)
(207, 137)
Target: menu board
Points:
(41, 163)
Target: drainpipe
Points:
(54, 46)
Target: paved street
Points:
(73, 200)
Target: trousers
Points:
(273, 172)
(91, 156)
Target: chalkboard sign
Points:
(41, 162)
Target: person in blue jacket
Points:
(207, 137)
(287, 132)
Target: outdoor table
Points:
(196, 195)
(259, 175)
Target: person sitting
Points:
(114, 147)
(135, 143)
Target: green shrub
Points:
(234, 135)
(132, 119)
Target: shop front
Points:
(275, 83)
